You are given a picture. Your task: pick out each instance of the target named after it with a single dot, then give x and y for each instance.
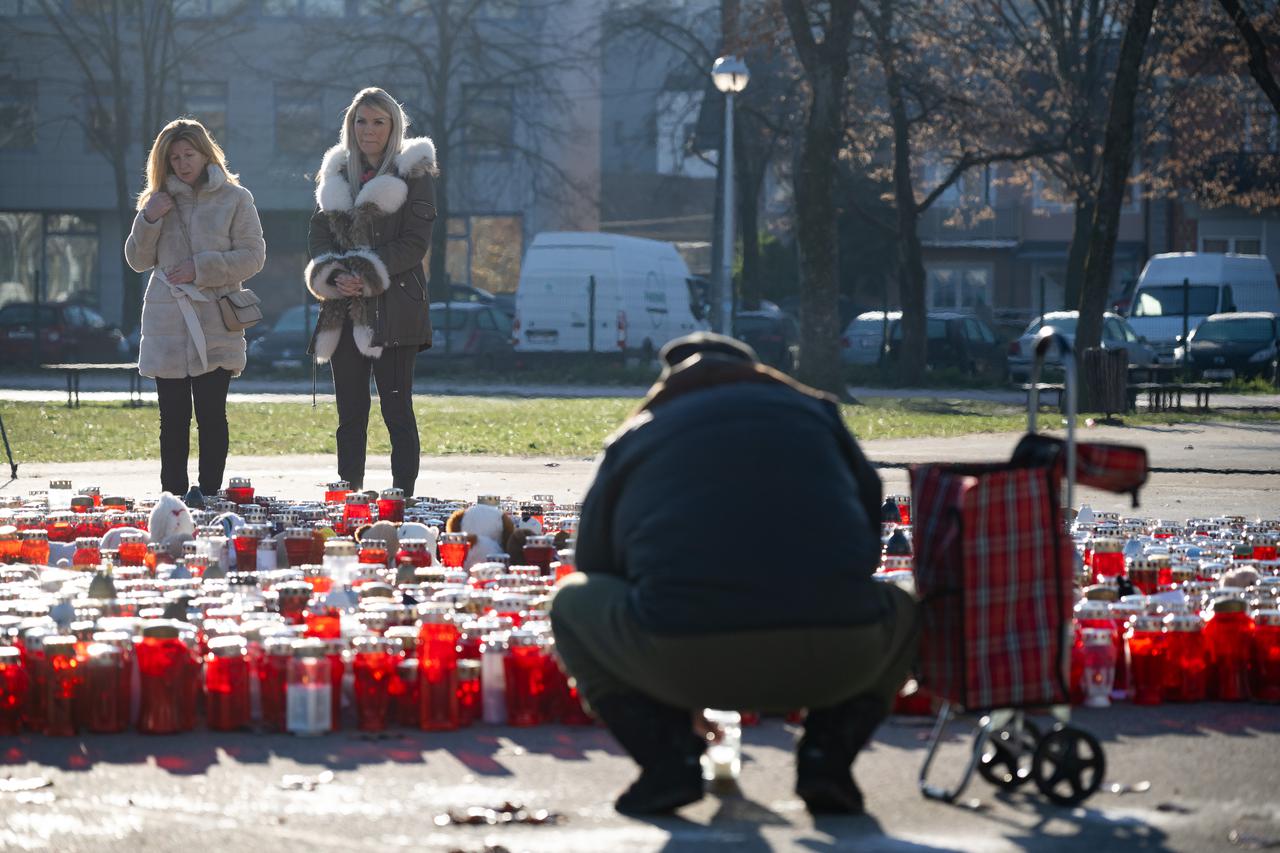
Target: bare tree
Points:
(126, 57)
(1259, 63)
(1117, 155)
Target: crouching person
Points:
(726, 548)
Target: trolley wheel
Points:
(1006, 763)
(1068, 765)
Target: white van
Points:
(1209, 283)
(592, 292)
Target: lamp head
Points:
(730, 74)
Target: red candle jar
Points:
(567, 564)
(94, 494)
(298, 547)
(116, 502)
(246, 546)
(1264, 546)
(336, 492)
(469, 639)
(373, 551)
(540, 551)
(82, 504)
(13, 690)
(133, 548)
(62, 526)
(36, 663)
(157, 555)
(511, 606)
(1186, 676)
(374, 668)
(903, 503)
(122, 641)
(322, 621)
(468, 692)
(10, 544)
(1108, 559)
(525, 668)
(415, 552)
(107, 679)
(355, 511)
(272, 672)
(226, 684)
(35, 547)
(391, 505)
(167, 669)
(240, 490)
(1147, 660)
(1242, 552)
(563, 704)
(453, 549)
(62, 686)
(438, 670)
(1144, 573)
(1228, 636)
(1266, 656)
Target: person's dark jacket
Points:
(736, 500)
(383, 236)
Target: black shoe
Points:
(832, 738)
(661, 740)
(194, 498)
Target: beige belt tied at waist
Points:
(184, 295)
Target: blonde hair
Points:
(186, 130)
(379, 100)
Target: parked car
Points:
(864, 337)
(1201, 284)
(959, 341)
(772, 333)
(284, 344)
(66, 331)
(1226, 346)
(470, 330)
(1116, 333)
(505, 302)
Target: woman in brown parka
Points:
(369, 235)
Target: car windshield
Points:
(1061, 325)
(1252, 329)
(1167, 300)
(934, 329)
(25, 315)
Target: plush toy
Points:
(1241, 578)
(489, 529)
(171, 523)
(387, 531)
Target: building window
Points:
(67, 268)
(17, 114)
(1238, 245)
(1050, 195)
(304, 8)
(959, 287)
(300, 126)
(485, 251)
(207, 102)
(490, 121)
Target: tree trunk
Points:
(912, 354)
(1080, 228)
(1117, 155)
(750, 169)
(816, 235)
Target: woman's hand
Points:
(183, 273)
(348, 284)
(157, 206)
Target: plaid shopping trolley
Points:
(995, 570)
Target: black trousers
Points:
(393, 373)
(208, 393)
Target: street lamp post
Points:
(730, 76)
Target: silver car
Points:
(1116, 334)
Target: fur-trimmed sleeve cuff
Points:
(319, 273)
(367, 265)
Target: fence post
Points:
(591, 313)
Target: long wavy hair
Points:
(379, 100)
(191, 131)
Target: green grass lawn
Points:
(43, 432)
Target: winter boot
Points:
(832, 739)
(661, 740)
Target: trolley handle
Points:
(1045, 341)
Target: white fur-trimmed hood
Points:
(387, 192)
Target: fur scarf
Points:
(351, 223)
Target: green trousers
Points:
(606, 651)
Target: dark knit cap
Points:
(704, 343)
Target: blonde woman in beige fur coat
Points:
(198, 232)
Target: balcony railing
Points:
(970, 224)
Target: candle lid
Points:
(1097, 636)
(59, 644)
(227, 646)
(468, 669)
(1229, 603)
(359, 498)
(392, 494)
(1149, 624)
(1268, 618)
(1106, 545)
(340, 547)
(9, 654)
(239, 483)
(524, 637)
(161, 629)
(310, 647)
(539, 541)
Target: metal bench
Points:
(1166, 396)
(74, 371)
